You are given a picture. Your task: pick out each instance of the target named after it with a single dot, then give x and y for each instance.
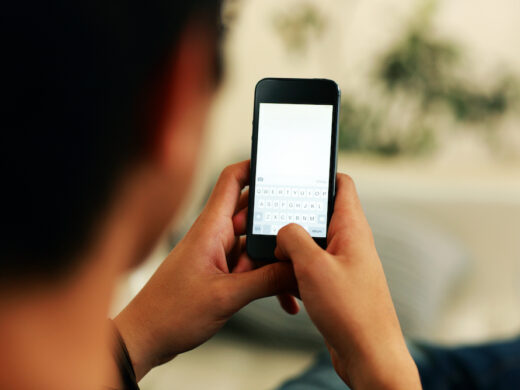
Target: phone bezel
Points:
(292, 91)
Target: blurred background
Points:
(430, 132)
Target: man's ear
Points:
(189, 84)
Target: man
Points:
(102, 121)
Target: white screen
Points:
(292, 167)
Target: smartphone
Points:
(293, 160)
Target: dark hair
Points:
(75, 81)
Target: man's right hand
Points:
(346, 295)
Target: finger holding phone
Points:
(344, 290)
(204, 280)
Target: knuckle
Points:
(306, 268)
(316, 256)
(272, 277)
(317, 253)
(311, 256)
(221, 296)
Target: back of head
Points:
(77, 82)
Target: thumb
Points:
(295, 244)
(272, 279)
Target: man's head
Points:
(103, 104)
(87, 88)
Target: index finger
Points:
(226, 193)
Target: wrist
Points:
(137, 342)
(124, 368)
(388, 369)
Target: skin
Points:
(205, 280)
(58, 330)
(344, 290)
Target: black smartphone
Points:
(293, 160)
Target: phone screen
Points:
(292, 167)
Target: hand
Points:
(193, 293)
(345, 293)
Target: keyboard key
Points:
(276, 206)
(317, 232)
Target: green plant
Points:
(420, 67)
(426, 69)
(363, 129)
(298, 26)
